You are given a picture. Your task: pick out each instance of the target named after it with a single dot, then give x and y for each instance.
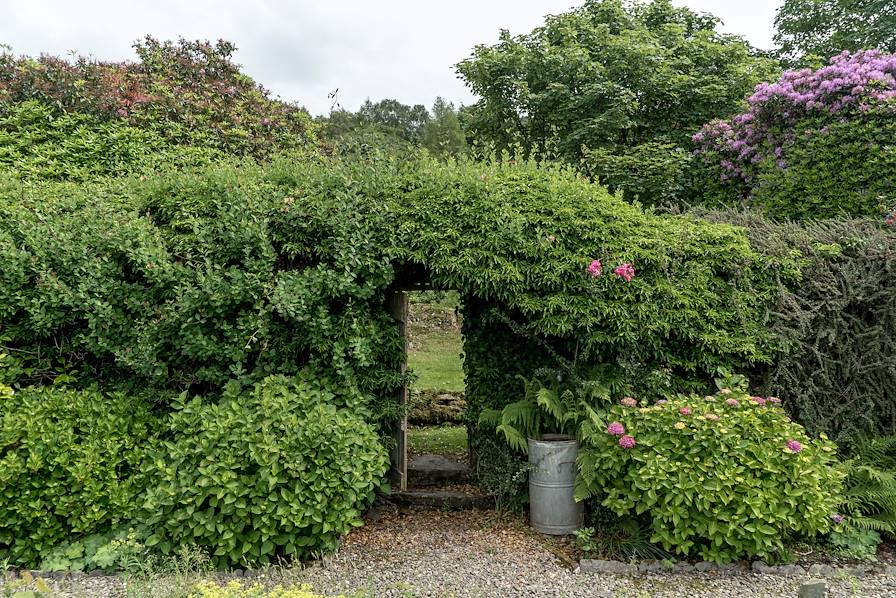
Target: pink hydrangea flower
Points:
(732, 402)
(626, 271)
(627, 442)
(774, 400)
(594, 269)
(628, 402)
(685, 411)
(758, 400)
(793, 446)
(616, 429)
(712, 417)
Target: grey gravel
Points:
(470, 555)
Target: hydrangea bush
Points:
(784, 119)
(720, 477)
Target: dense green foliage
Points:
(283, 469)
(195, 280)
(608, 75)
(38, 142)
(723, 477)
(69, 466)
(811, 30)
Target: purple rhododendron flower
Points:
(794, 446)
(594, 269)
(628, 402)
(851, 84)
(627, 442)
(626, 271)
(616, 429)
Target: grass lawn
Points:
(438, 440)
(437, 362)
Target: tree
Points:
(401, 119)
(811, 31)
(443, 134)
(610, 75)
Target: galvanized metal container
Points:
(552, 476)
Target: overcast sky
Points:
(304, 49)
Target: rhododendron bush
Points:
(815, 143)
(721, 477)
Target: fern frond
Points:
(548, 400)
(490, 418)
(514, 438)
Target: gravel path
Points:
(469, 554)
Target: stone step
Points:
(436, 470)
(442, 499)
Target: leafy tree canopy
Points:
(809, 31)
(610, 74)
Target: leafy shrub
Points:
(70, 465)
(283, 469)
(814, 144)
(722, 477)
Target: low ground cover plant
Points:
(721, 477)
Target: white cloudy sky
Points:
(303, 49)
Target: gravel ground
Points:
(470, 554)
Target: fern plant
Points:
(544, 410)
(869, 497)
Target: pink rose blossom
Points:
(627, 442)
(616, 429)
(626, 271)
